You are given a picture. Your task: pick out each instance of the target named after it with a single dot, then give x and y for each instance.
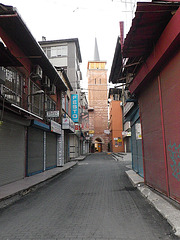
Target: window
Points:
(50, 105)
(95, 81)
(35, 100)
(13, 86)
(100, 81)
(63, 101)
(57, 51)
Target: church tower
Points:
(98, 102)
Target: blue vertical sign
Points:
(74, 107)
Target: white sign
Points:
(72, 125)
(65, 123)
(126, 134)
(106, 131)
(55, 127)
(128, 107)
(68, 123)
(51, 114)
(127, 126)
(138, 131)
(60, 149)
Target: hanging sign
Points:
(55, 127)
(74, 107)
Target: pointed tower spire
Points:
(96, 52)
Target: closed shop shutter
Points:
(35, 160)
(136, 141)
(51, 150)
(127, 141)
(170, 87)
(12, 149)
(152, 136)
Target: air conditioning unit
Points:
(53, 90)
(37, 73)
(47, 83)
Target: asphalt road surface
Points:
(94, 200)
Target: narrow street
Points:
(94, 200)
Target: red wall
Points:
(152, 137)
(160, 116)
(170, 87)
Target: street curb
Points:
(167, 210)
(134, 178)
(12, 192)
(80, 158)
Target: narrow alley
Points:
(93, 200)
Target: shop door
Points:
(35, 156)
(12, 149)
(51, 150)
(136, 145)
(99, 147)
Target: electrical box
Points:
(37, 73)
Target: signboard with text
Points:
(68, 124)
(55, 127)
(74, 107)
(52, 114)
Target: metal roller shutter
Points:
(136, 144)
(152, 136)
(51, 150)
(12, 149)
(170, 88)
(35, 160)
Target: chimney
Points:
(43, 38)
(121, 24)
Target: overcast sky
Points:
(82, 19)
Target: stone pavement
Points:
(12, 192)
(93, 201)
(169, 209)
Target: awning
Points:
(6, 58)
(116, 68)
(147, 26)
(15, 28)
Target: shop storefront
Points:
(36, 147)
(12, 148)
(69, 145)
(43, 147)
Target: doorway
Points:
(98, 145)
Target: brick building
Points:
(98, 103)
(116, 120)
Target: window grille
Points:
(35, 100)
(13, 87)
